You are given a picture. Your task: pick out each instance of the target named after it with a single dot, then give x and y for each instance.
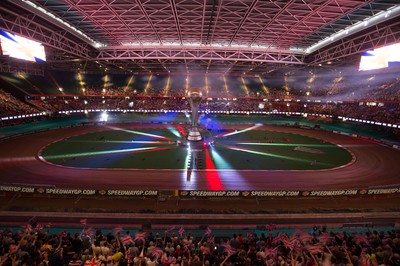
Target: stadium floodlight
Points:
(104, 117)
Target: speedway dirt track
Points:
(374, 165)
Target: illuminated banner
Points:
(208, 193)
(284, 193)
(236, 193)
(80, 192)
(329, 193)
(131, 193)
(199, 193)
(17, 189)
(278, 193)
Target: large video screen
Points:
(21, 48)
(380, 58)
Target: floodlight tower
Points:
(195, 98)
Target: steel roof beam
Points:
(200, 54)
(380, 36)
(176, 19)
(139, 3)
(90, 17)
(28, 27)
(9, 66)
(248, 12)
(116, 15)
(210, 39)
(305, 19)
(203, 19)
(55, 20)
(273, 19)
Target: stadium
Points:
(215, 132)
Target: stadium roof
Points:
(248, 36)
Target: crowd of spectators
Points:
(173, 92)
(383, 112)
(36, 246)
(340, 88)
(109, 91)
(10, 106)
(388, 91)
(267, 100)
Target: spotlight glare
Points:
(104, 117)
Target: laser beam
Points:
(272, 155)
(174, 131)
(287, 144)
(121, 141)
(140, 133)
(84, 154)
(239, 131)
(213, 178)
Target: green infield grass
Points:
(156, 148)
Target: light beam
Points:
(148, 84)
(129, 83)
(141, 133)
(271, 155)
(238, 131)
(213, 178)
(84, 154)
